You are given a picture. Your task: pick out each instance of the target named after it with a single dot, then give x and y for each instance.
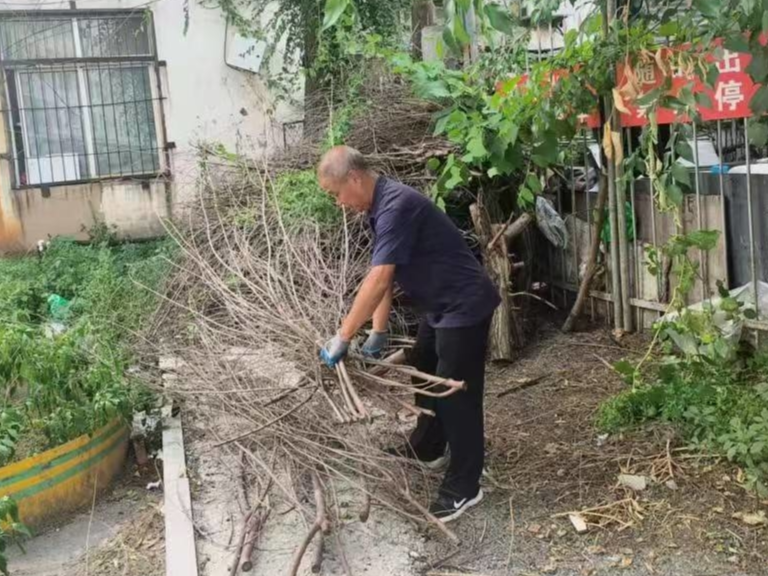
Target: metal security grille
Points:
(82, 96)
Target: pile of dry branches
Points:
(393, 128)
(255, 298)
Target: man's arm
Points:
(381, 314)
(377, 283)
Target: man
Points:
(417, 246)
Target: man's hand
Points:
(334, 350)
(374, 345)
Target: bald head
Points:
(339, 161)
(345, 174)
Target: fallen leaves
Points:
(633, 482)
(534, 528)
(752, 518)
(623, 513)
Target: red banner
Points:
(729, 98)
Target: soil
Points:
(545, 459)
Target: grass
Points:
(67, 318)
(302, 200)
(720, 407)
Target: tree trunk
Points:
(594, 249)
(506, 333)
(316, 112)
(422, 15)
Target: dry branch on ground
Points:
(252, 304)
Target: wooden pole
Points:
(422, 15)
(611, 152)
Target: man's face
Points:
(348, 192)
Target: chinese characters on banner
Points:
(730, 97)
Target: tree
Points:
(422, 15)
(312, 33)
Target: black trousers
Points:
(457, 353)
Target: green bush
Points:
(55, 387)
(722, 408)
(301, 200)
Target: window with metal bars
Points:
(81, 95)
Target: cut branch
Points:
(594, 250)
(431, 517)
(321, 524)
(506, 334)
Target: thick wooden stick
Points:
(594, 249)
(518, 227)
(396, 358)
(321, 524)
(252, 525)
(511, 230)
(411, 371)
(366, 511)
(452, 389)
(345, 393)
(317, 559)
(352, 392)
(303, 548)
(335, 408)
(416, 410)
(241, 543)
(257, 521)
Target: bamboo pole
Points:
(623, 240)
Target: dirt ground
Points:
(545, 460)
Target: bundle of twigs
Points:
(258, 297)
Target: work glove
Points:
(333, 351)
(374, 345)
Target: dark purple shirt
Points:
(433, 264)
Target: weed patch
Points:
(66, 321)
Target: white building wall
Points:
(205, 101)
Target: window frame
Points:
(15, 111)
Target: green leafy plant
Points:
(719, 407)
(302, 201)
(10, 530)
(56, 386)
(315, 41)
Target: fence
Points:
(727, 194)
